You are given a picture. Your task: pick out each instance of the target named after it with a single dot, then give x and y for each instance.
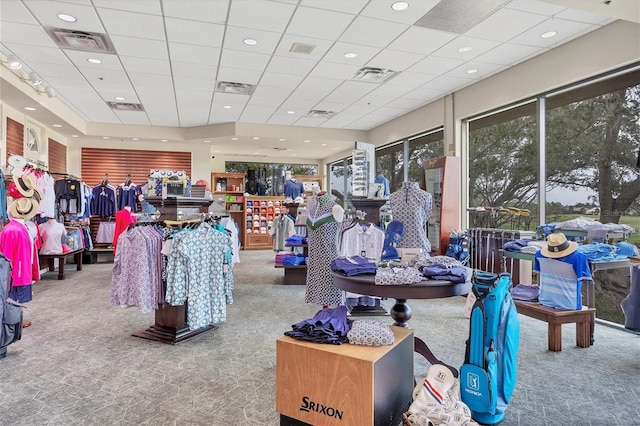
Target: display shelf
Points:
(441, 178)
(231, 187)
(258, 216)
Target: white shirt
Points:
(52, 234)
(366, 241)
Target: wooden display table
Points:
(49, 258)
(322, 384)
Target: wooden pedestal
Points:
(171, 326)
(322, 384)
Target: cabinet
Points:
(231, 186)
(259, 213)
(311, 183)
(295, 274)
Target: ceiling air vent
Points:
(302, 48)
(235, 88)
(81, 40)
(125, 106)
(318, 113)
(374, 75)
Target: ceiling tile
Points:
(119, 22)
(46, 12)
(407, 104)
(151, 7)
(387, 90)
(133, 117)
(272, 102)
(25, 34)
(425, 93)
(421, 40)
(566, 30)
(194, 54)
(80, 59)
(582, 16)
(381, 9)
(256, 113)
(409, 79)
(221, 115)
(56, 70)
(286, 119)
(194, 32)
(394, 59)
(508, 53)
(192, 83)
(246, 60)
(352, 6)
(267, 40)
(535, 6)
(434, 65)
(331, 106)
(110, 95)
(38, 54)
(278, 94)
(287, 65)
(505, 24)
(372, 32)
(317, 23)
(286, 81)
(238, 75)
(260, 14)
(334, 71)
(145, 65)
(350, 91)
(483, 70)
(197, 10)
(337, 52)
(478, 47)
(447, 83)
(236, 101)
(15, 11)
(150, 80)
(199, 71)
(371, 102)
(310, 121)
(140, 47)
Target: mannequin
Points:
(412, 206)
(53, 236)
(385, 184)
(323, 226)
(18, 246)
(124, 218)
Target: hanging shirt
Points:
(293, 188)
(124, 218)
(103, 201)
(127, 196)
(53, 234)
(365, 241)
(412, 206)
(283, 228)
(17, 245)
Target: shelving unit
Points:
(231, 186)
(310, 182)
(259, 214)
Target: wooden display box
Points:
(321, 384)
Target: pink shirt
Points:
(17, 245)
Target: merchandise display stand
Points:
(441, 179)
(295, 274)
(259, 214)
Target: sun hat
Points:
(18, 162)
(25, 184)
(558, 246)
(24, 208)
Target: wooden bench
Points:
(91, 256)
(556, 317)
(49, 258)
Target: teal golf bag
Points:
(488, 375)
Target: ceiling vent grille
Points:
(302, 48)
(125, 106)
(318, 113)
(235, 88)
(374, 75)
(81, 40)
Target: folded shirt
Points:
(354, 265)
(456, 274)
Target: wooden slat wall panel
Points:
(57, 157)
(96, 162)
(15, 138)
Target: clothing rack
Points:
(66, 176)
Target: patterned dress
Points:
(322, 238)
(411, 206)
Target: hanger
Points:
(127, 181)
(105, 180)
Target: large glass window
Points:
(269, 177)
(390, 163)
(503, 169)
(424, 147)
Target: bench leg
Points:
(79, 261)
(52, 266)
(583, 334)
(555, 337)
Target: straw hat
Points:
(25, 184)
(558, 246)
(18, 163)
(24, 208)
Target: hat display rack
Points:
(19, 162)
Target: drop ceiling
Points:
(349, 65)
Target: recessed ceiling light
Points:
(119, 98)
(256, 153)
(135, 139)
(335, 148)
(227, 107)
(67, 18)
(74, 136)
(400, 5)
(281, 139)
(207, 141)
(350, 55)
(324, 144)
(289, 149)
(548, 34)
(14, 62)
(57, 125)
(294, 155)
(472, 71)
(30, 108)
(464, 49)
(255, 138)
(215, 150)
(94, 61)
(234, 139)
(306, 141)
(163, 140)
(105, 137)
(291, 112)
(250, 41)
